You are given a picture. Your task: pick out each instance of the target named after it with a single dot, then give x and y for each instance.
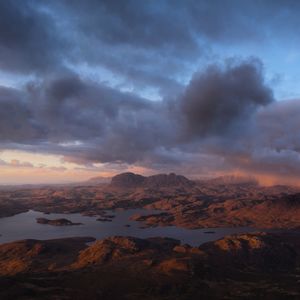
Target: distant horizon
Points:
(265, 183)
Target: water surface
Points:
(24, 226)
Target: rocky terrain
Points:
(56, 222)
(248, 266)
(223, 202)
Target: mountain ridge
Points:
(132, 180)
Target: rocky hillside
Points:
(246, 266)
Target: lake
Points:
(24, 226)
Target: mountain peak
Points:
(127, 180)
(131, 180)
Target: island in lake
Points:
(56, 222)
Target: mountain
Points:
(168, 180)
(131, 180)
(127, 180)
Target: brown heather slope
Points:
(269, 212)
(248, 266)
(36, 256)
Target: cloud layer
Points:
(91, 70)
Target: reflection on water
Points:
(24, 226)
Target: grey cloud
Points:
(210, 24)
(279, 126)
(165, 25)
(269, 146)
(136, 24)
(29, 41)
(276, 139)
(82, 108)
(89, 122)
(219, 99)
(16, 120)
(224, 118)
(83, 120)
(148, 44)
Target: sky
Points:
(99, 87)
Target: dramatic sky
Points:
(97, 87)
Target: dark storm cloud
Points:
(219, 99)
(165, 25)
(65, 108)
(146, 25)
(28, 38)
(280, 125)
(83, 109)
(269, 145)
(16, 120)
(151, 44)
(277, 137)
(87, 121)
(148, 44)
(83, 120)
